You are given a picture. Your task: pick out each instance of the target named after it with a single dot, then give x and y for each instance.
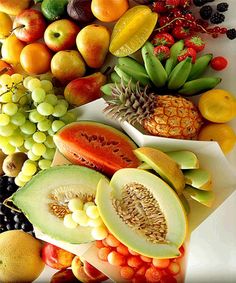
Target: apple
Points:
(61, 35)
(56, 257)
(64, 276)
(5, 68)
(29, 25)
(67, 65)
(85, 272)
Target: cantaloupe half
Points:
(169, 204)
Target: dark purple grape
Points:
(10, 226)
(17, 226)
(27, 227)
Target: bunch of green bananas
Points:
(184, 77)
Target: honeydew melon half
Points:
(110, 198)
(57, 185)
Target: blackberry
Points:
(217, 18)
(231, 33)
(206, 12)
(200, 3)
(222, 7)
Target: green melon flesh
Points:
(185, 159)
(166, 167)
(199, 179)
(204, 197)
(33, 200)
(169, 204)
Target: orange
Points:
(109, 10)
(221, 133)
(5, 68)
(35, 58)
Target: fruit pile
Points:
(53, 58)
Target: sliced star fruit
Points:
(143, 212)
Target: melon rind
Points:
(33, 202)
(169, 203)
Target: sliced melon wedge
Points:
(204, 197)
(199, 179)
(185, 159)
(165, 166)
(135, 238)
(57, 185)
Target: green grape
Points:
(51, 133)
(16, 140)
(32, 156)
(29, 168)
(6, 97)
(18, 182)
(5, 80)
(7, 131)
(39, 137)
(38, 149)
(35, 117)
(17, 78)
(51, 99)
(28, 128)
(23, 100)
(44, 125)
(57, 125)
(23, 178)
(33, 84)
(46, 85)
(4, 119)
(59, 110)
(17, 96)
(29, 142)
(10, 108)
(18, 119)
(63, 101)
(44, 164)
(22, 149)
(45, 109)
(46, 76)
(3, 141)
(49, 153)
(49, 142)
(26, 80)
(69, 117)
(8, 149)
(38, 95)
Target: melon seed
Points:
(141, 211)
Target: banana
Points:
(153, 66)
(171, 62)
(200, 66)
(195, 86)
(180, 73)
(132, 63)
(141, 77)
(115, 77)
(123, 75)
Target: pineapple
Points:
(160, 115)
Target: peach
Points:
(64, 276)
(56, 257)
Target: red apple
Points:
(61, 35)
(64, 276)
(56, 257)
(29, 25)
(84, 270)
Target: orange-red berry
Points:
(161, 263)
(127, 272)
(103, 253)
(114, 258)
(134, 261)
(141, 271)
(145, 258)
(99, 244)
(112, 241)
(123, 250)
(133, 252)
(153, 274)
(173, 268)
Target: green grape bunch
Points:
(30, 114)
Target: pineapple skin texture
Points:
(173, 117)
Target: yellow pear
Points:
(14, 7)
(11, 49)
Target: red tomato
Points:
(219, 63)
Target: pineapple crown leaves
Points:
(131, 103)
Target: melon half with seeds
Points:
(96, 145)
(143, 212)
(44, 200)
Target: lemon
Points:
(5, 25)
(132, 30)
(221, 133)
(217, 105)
(20, 259)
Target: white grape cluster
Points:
(30, 114)
(86, 215)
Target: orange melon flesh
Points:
(96, 145)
